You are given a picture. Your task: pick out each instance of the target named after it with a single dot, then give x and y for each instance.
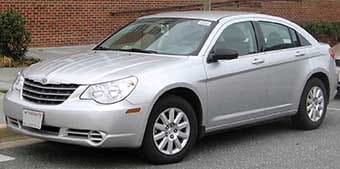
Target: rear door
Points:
(286, 55)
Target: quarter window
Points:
(303, 41)
(276, 36)
(239, 37)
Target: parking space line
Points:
(4, 158)
(335, 109)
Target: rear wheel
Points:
(171, 131)
(313, 106)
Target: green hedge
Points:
(330, 30)
(14, 38)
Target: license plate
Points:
(32, 119)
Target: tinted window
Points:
(239, 37)
(276, 36)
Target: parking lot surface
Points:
(274, 145)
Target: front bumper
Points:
(81, 122)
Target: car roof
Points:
(204, 15)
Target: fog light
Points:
(96, 136)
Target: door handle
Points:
(257, 61)
(300, 55)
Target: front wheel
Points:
(171, 131)
(313, 106)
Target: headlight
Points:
(18, 82)
(110, 92)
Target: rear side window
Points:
(295, 38)
(276, 36)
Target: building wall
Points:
(76, 22)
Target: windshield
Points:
(162, 35)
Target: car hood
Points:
(96, 67)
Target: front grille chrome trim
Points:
(46, 87)
(44, 93)
(49, 94)
(43, 99)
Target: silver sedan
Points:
(166, 80)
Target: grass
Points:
(23, 62)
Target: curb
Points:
(2, 126)
(19, 143)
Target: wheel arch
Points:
(325, 80)
(191, 96)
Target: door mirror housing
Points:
(222, 54)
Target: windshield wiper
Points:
(126, 50)
(102, 48)
(138, 50)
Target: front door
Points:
(236, 88)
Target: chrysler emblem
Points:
(44, 81)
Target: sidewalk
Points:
(48, 53)
(7, 75)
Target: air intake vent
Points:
(95, 137)
(78, 133)
(51, 94)
(13, 122)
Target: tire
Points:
(305, 119)
(174, 134)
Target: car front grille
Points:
(51, 94)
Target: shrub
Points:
(14, 38)
(324, 31)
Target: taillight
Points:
(332, 53)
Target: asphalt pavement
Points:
(275, 145)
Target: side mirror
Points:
(222, 54)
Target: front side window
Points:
(239, 37)
(173, 36)
(276, 36)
